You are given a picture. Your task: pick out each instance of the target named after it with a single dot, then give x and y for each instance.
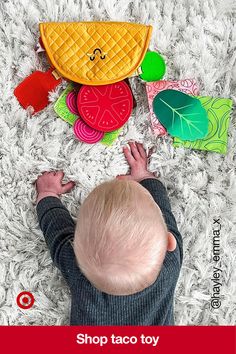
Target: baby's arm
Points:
(138, 160)
(158, 192)
(55, 221)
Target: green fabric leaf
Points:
(61, 108)
(153, 67)
(218, 111)
(182, 115)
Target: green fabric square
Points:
(110, 137)
(61, 108)
(218, 111)
(63, 112)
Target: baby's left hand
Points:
(137, 159)
(49, 184)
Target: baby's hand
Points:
(137, 159)
(49, 184)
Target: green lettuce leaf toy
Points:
(182, 115)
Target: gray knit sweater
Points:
(89, 306)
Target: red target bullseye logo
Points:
(25, 300)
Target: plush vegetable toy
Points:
(99, 55)
(95, 53)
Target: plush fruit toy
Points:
(105, 108)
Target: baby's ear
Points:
(171, 246)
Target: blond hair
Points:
(121, 238)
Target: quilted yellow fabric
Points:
(95, 53)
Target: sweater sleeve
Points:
(159, 194)
(58, 229)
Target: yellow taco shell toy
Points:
(95, 53)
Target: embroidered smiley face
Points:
(97, 52)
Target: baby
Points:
(122, 259)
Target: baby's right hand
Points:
(137, 159)
(50, 184)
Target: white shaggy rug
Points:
(198, 40)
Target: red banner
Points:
(70, 340)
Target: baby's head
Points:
(121, 238)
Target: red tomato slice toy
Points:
(105, 108)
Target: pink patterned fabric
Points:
(188, 86)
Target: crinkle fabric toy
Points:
(95, 53)
(33, 91)
(188, 86)
(182, 115)
(117, 100)
(87, 134)
(218, 111)
(62, 110)
(88, 53)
